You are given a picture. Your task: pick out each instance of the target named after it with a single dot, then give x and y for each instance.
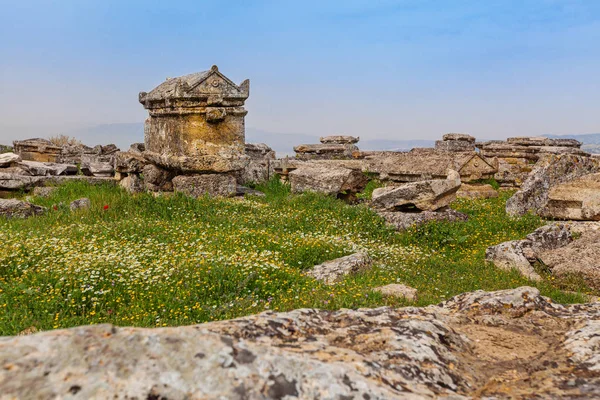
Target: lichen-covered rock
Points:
(398, 290)
(132, 184)
(507, 344)
(427, 195)
(44, 191)
(260, 166)
(17, 180)
(13, 208)
(335, 270)
(80, 204)
(328, 180)
(217, 185)
(404, 220)
(521, 254)
(157, 179)
(128, 162)
(339, 139)
(548, 172)
(580, 257)
(9, 159)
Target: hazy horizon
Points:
(381, 70)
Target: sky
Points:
(403, 69)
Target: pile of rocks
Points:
(515, 157)
(416, 203)
(506, 344)
(331, 148)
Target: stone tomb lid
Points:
(199, 85)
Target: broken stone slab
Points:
(324, 151)
(129, 162)
(521, 254)
(246, 191)
(468, 191)
(429, 195)
(339, 139)
(216, 185)
(549, 171)
(98, 169)
(80, 204)
(137, 148)
(333, 271)
(328, 180)
(260, 167)
(17, 181)
(13, 208)
(35, 168)
(578, 199)
(542, 141)
(398, 290)
(455, 351)
(404, 220)
(454, 145)
(9, 160)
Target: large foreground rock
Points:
(36, 168)
(218, 185)
(427, 195)
(13, 208)
(327, 180)
(549, 171)
(507, 344)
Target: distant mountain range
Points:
(123, 134)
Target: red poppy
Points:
(106, 207)
(55, 207)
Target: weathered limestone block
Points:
(260, 167)
(196, 123)
(428, 195)
(35, 168)
(324, 151)
(339, 139)
(398, 290)
(543, 141)
(549, 171)
(129, 162)
(37, 149)
(9, 160)
(405, 220)
(468, 191)
(463, 137)
(137, 148)
(333, 271)
(327, 180)
(454, 145)
(157, 179)
(13, 208)
(218, 185)
(132, 184)
(18, 181)
(578, 199)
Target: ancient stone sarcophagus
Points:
(196, 123)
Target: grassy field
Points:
(146, 261)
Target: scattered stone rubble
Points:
(515, 157)
(506, 344)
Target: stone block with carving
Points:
(196, 123)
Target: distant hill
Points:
(123, 135)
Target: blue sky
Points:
(378, 69)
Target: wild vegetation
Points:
(172, 260)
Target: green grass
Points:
(172, 260)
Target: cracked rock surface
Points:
(506, 344)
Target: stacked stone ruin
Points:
(514, 158)
(331, 148)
